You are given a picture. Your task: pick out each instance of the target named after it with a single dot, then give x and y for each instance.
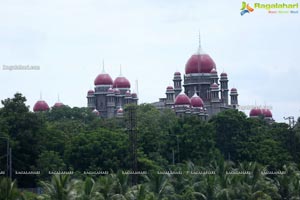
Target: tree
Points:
(231, 126)
(102, 149)
(24, 130)
(49, 161)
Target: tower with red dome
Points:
(110, 95)
(201, 83)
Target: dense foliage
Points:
(73, 139)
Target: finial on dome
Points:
(103, 70)
(41, 95)
(58, 100)
(120, 70)
(199, 43)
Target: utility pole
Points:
(10, 164)
(292, 134)
(131, 124)
(291, 121)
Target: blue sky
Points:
(151, 40)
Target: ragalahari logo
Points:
(246, 8)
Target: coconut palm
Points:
(60, 188)
(159, 185)
(106, 186)
(8, 189)
(89, 190)
(288, 183)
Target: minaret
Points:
(91, 100)
(111, 103)
(170, 97)
(214, 88)
(224, 88)
(177, 83)
(234, 97)
(128, 97)
(102, 83)
(215, 100)
(214, 76)
(135, 98)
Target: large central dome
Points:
(199, 63)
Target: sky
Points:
(151, 40)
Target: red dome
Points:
(267, 113)
(182, 99)
(214, 85)
(117, 91)
(199, 63)
(103, 79)
(90, 92)
(110, 90)
(233, 90)
(170, 88)
(58, 104)
(213, 71)
(255, 112)
(121, 82)
(40, 105)
(196, 101)
(177, 74)
(128, 94)
(134, 95)
(223, 74)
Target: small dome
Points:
(121, 82)
(233, 90)
(96, 112)
(255, 112)
(120, 110)
(177, 73)
(117, 91)
(213, 71)
(199, 63)
(103, 79)
(170, 88)
(91, 92)
(58, 104)
(196, 101)
(134, 95)
(40, 105)
(214, 85)
(223, 74)
(128, 94)
(267, 113)
(110, 90)
(182, 99)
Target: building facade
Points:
(109, 97)
(200, 91)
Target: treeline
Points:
(73, 139)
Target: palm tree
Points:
(89, 190)
(60, 188)
(288, 184)
(8, 189)
(120, 186)
(159, 185)
(106, 186)
(139, 192)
